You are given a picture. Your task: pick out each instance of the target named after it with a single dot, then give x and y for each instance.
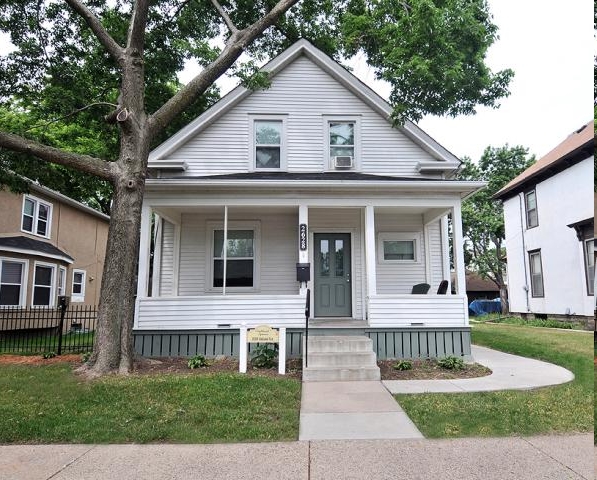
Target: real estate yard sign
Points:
(262, 334)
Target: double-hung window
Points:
(12, 283)
(242, 243)
(269, 144)
(530, 202)
(589, 253)
(342, 136)
(78, 291)
(341, 141)
(536, 273)
(37, 216)
(43, 285)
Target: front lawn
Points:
(564, 408)
(49, 404)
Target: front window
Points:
(12, 283)
(36, 217)
(78, 292)
(268, 144)
(240, 258)
(396, 247)
(590, 265)
(531, 209)
(43, 285)
(536, 273)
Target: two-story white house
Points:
(548, 217)
(310, 175)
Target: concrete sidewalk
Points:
(551, 457)
(510, 372)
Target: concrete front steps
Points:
(340, 359)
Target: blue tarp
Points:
(483, 307)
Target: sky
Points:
(550, 46)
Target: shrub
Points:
(198, 361)
(85, 357)
(403, 365)
(451, 363)
(47, 355)
(264, 356)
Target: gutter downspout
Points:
(524, 249)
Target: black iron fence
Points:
(63, 329)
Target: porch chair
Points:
(420, 288)
(443, 287)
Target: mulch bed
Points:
(430, 370)
(422, 369)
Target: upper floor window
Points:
(269, 144)
(342, 142)
(530, 202)
(536, 273)
(13, 282)
(37, 216)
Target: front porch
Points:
(374, 249)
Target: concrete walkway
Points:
(512, 458)
(366, 410)
(510, 372)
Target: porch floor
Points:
(337, 323)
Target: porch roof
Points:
(29, 246)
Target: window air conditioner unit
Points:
(344, 161)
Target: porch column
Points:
(303, 256)
(446, 253)
(157, 256)
(458, 244)
(370, 250)
(143, 272)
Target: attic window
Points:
(268, 148)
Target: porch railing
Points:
(47, 329)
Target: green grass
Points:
(563, 408)
(50, 404)
(38, 343)
(533, 322)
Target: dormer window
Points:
(342, 143)
(269, 144)
(37, 216)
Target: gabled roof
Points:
(336, 71)
(29, 246)
(576, 147)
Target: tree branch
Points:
(74, 112)
(195, 88)
(136, 35)
(225, 16)
(98, 29)
(94, 166)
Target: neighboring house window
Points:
(43, 285)
(530, 201)
(37, 216)
(12, 283)
(536, 273)
(240, 264)
(269, 144)
(590, 265)
(398, 247)
(61, 281)
(78, 292)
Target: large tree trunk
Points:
(504, 299)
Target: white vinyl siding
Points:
(278, 253)
(224, 146)
(167, 259)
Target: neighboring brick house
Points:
(50, 245)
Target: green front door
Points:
(332, 296)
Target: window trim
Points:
(37, 201)
(254, 225)
(283, 142)
(526, 208)
(415, 237)
(586, 255)
(24, 280)
(78, 297)
(328, 119)
(530, 254)
(52, 284)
